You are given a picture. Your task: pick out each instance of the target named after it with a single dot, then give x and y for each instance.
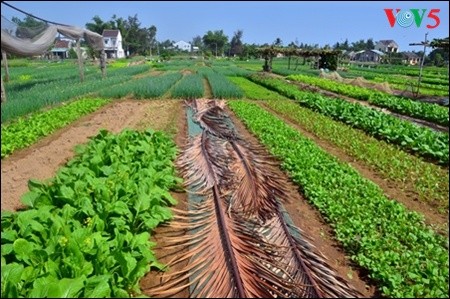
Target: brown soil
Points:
(147, 74)
(407, 197)
(41, 160)
(152, 278)
(208, 92)
(187, 72)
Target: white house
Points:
(182, 45)
(112, 40)
(387, 46)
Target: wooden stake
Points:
(3, 91)
(80, 60)
(5, 64)
(103, 63)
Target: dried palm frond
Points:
(226, 258)
(256, 190)
(202, 163)
(305, 265)
(213, 119)
(251, 251)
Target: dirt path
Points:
(314, 226)
(208, 92)
(42, 160)
(407, 197)
(178, 127)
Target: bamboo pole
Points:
(103, 63)
(80, 60)
(5, 64)
(3, 91)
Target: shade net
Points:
(36, 40)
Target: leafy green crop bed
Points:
(428, 180)
(189, 87)
(30, 98)
(24, 131)
(421, 110)
(221, 87)
(254, 91)
(147, 87)
(87, 231)
(401, 253)
(425, 142)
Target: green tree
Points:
(370, 44)
(29, 27)
(215, 41)
(278, 42)
(152, 37)
(236, 43)
(359, 45)
(73, 54)
(249, 51)
(98, 25)
(197, 41)
(337, 46)
(135, 39)
(345, 45)
(438, 60)
(167, 44)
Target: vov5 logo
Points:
(405, 18)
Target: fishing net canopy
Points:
(38, 37)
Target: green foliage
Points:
(190, 87)
(147, 87)
(328, 61)
(221, 87)
(57, 87)
(254, 91)
(215, 41)
(429, 181)
(420, 110)
(136, 39)
(423, 141)
(407, 258)
(86, 233)
(72, 54)
(24, 131)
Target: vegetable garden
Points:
(241, 163)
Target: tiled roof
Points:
(110, 33)
(62, 44)
(410, 55)
(387, 41)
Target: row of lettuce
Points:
(421, 110)
(24, 132)
(427, 180)
(432, 83)
(86, 232)
(425, 142)
(401, 253)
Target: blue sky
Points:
(310, 22)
